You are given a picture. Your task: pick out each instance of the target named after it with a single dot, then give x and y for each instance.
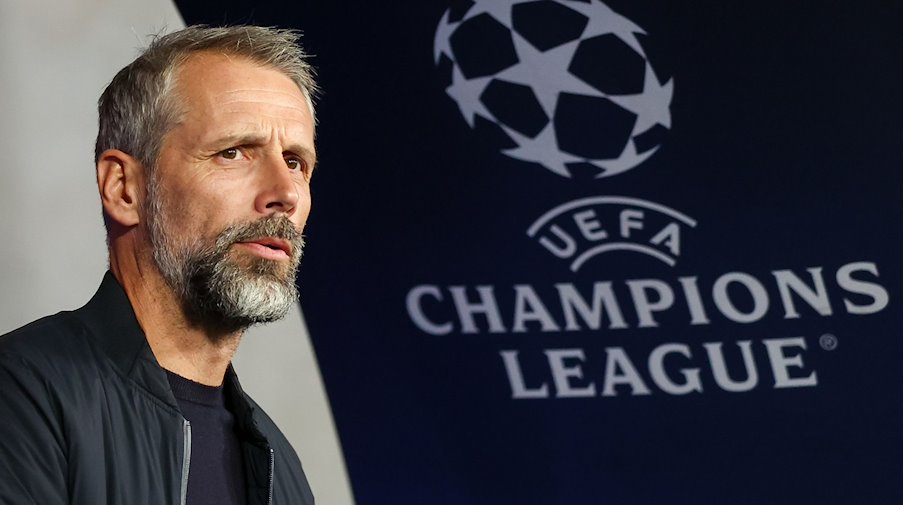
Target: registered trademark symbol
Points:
(828, 342)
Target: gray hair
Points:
(138, 108)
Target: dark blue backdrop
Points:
(783, 148)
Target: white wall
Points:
(56, 58)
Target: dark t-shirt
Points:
(215, 472)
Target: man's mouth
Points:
(269, 247)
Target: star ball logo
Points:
(568, 83)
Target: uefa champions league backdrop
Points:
(631, 252)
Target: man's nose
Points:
(279, 192)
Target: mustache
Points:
(275, 226)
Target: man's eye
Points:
(294, 164)
(233, 153)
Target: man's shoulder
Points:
(73, 339)
(57, 339)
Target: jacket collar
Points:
(112, 323)
(111, 320)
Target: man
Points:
(204, 157)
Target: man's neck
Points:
(193, 352)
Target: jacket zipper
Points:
(186, 460)
(272, 467)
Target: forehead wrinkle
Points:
(262, 114)
(237, 94)
(276, 118)
(294, 93)
(254, 128)
(294, 113)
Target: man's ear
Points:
(121, 182)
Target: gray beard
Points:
(217, 291)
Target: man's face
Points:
(231, 192)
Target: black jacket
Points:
(87, 417)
